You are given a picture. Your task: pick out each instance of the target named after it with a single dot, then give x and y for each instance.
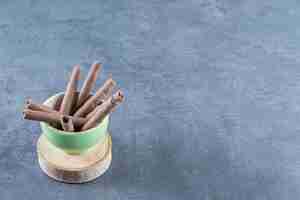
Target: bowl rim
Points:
(57, 131)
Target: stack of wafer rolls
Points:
(102, 110)
(78, 110)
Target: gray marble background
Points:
(212, 108)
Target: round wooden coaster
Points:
(74, 168)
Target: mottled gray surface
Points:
(212, 109)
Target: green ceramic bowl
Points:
(74, 143)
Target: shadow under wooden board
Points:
(70, 168)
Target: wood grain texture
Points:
(74, 168)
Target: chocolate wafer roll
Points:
(74, 104)
(67, 123)
(69, 97)
(88, 83)
(92, 113)
(50, 117)
(38, 107)
(104, 109)
(101, 93)
(58, 102)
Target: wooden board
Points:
(74, 168)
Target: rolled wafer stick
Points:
(74, 104)
(101, 93)
(88, 83)
(39, 107)
(104, 109)
(50, 117)
(67, 123)
(58, 102)
(41, 116)
(69, 97)
(60, 98)
(92, 107)
(92, 113)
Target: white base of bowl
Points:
(68, 168)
